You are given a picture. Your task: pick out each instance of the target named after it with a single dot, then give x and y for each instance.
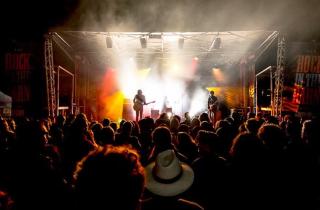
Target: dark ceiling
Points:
(298, 18)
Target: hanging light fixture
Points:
(143, 42)
(109, 41)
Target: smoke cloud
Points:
(201, 15)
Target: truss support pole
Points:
(50, 80)
(279, 75)
(251, 87)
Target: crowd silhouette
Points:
(255, 161)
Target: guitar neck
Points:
(150, 102)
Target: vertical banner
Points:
(307, 81)
(17, 71)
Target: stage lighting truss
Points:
(216, 43)
(207, 46)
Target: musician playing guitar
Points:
(212, 106)
(139, 101)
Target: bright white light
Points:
(171, 38)
(128, 77)
(174, 91)
(175, 70)
(153, 90)
(198, 102)
(176, 67)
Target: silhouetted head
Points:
(246, 146)
(272, 136)
(109, 178)
(208, 142)
(161, 137)
(106, 122)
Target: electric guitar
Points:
(137, 106)
(213, 107)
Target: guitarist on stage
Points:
(212, 106)
(138, 101)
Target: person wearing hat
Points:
(166, 179)
(162, 140)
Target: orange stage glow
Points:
(110, 97)
(230, 95)
(217, 75)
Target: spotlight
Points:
(109, 42)
(195, 58)
(215, 69)
(143, 42)
(181, 42)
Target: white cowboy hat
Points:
(167, 176)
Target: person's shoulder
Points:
(190, 204)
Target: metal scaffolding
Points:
(60, 68)
(50, 80)
(279, 76)
(270, 69)
(81, 46)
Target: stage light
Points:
(155, 36)
(195, 58)
(217, 74)
(217, 43)
(143, 42)
(181, 42)
(109, 42)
